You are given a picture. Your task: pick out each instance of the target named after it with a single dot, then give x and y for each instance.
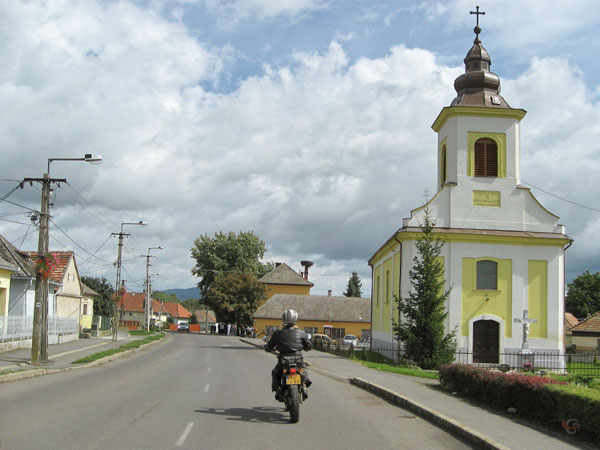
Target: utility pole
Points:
(39, 339)
(118, 288)
(148, 309)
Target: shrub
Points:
(550, 400)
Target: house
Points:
(503, 252)
(285, 280)
(133, 309)
(586, 334)
(70, 299)
(324, 314)
(87, 306)
(177, 311)
(17, 282)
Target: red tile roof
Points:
(176, 310)
(570, 322)
(591, 324)
(59, 266)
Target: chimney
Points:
(329, 292)
(306, 265)
(277, 264)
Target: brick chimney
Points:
(329, 292)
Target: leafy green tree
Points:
(226, 254)
(164, 297)
(583, 297)
(103, 305)
(235, 297)
(354, 286)
(191, 304)
(421, 324)
(193, 319)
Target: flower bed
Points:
(551, 401)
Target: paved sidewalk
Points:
(60, 356)
(477, 425)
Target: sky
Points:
(305, 121)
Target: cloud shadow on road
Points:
(258, 414)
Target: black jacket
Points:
(288, 341)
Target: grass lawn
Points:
(122, 348)
(431, 374)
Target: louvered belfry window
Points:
(486, 158)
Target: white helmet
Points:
(289, 317)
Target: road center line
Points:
(185, 434)
(207, 387)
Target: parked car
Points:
(364, 343)
(350, 339)
(320, 340)
(183, 326)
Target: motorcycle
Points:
(293, 385)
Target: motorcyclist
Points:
(289, 341)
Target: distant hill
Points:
(184, 294)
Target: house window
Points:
(338, 333)
(311, 330)
(486, 158)
(85, 309)
(270, 329)
(377, 292)
(487, 274)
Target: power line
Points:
(74, 242)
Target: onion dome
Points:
(478, 86)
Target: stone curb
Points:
(429, 414)
(37, 372)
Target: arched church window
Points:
(443, 164)
(487, 274)
(486, 158)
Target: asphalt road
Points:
(199, 392)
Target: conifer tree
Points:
(354, 286)
(421, 324)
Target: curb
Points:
(429, 414)
(37, 372)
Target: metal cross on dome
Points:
(477, 14)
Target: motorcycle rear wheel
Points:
(293, 403)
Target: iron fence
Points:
(564, 363)
(14, 328)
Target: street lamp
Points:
(148, 288)
(118, 290)
(39, 338)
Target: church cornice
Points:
(453, 111)
(474, 236)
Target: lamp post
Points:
(118, 288)
(39, 339)
(148, 288)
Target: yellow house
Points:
(285, 280)
(323, 314)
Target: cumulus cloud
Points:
(322, 155)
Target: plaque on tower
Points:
(486, 198)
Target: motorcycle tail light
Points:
(292, 370)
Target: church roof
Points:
(284, 274)
(478, 86)
(317, 307)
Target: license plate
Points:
(293, 379)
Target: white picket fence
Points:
(18, 328)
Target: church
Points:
(503, 252)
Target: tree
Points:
(164, 297)
(192, 304)
(354, 285)
(421, 324)
(583, 297)
(193, 319)
(227, 253)
(103, 305)
(235, 297)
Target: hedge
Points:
(545, 399)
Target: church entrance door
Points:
(486, 341)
